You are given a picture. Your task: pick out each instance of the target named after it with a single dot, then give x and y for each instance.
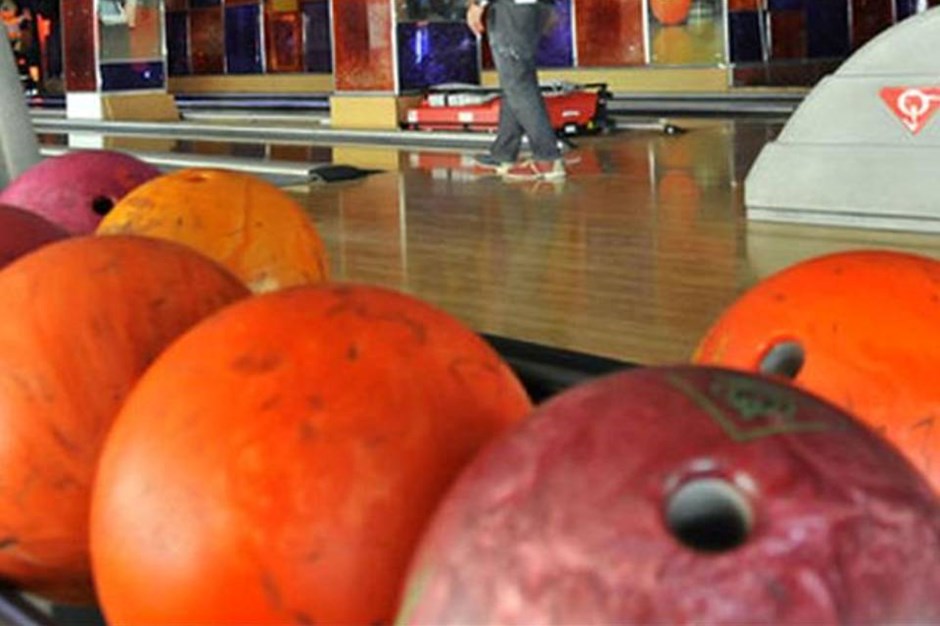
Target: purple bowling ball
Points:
(76, 190)
(22, 232)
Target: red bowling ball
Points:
(22, 232)
(678, 496)
(77, 189)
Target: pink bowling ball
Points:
(683, 496)
(22, 232)
(77, 189)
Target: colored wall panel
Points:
(827, 28)
(79, 45)
(788, 35)
(284, 38)
(363, 33)
(431, 53)
(745, 36)
(905, 8)
(694, 36)
(421, 10)
(556, 49)
(243, 39)
(177, 43)
(131, 32)
(785, 5)
(130, 76)
(208, 41)
(318, 47)
(609, 32)
(870, 17)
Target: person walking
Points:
(514, 28)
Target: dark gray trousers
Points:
(514, 31)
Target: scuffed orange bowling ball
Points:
(81, 320)
(245, 223)
(859, 328)
(278, 463)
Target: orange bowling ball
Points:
(671, 12)
(81, 320)
(253, 228)
(857, 328)
(278, 463)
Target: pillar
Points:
(115, 60)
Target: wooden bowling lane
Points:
(632, 257)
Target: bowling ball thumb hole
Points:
(709, 515)
(784, 358)
(102, 205)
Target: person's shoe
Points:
(538, 170)
(489, 162)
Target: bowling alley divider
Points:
(19, 148)
(862, 148)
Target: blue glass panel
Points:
(128, 76)
(243, 39)
(906, 8)
(827, 28)
(556, 48)
(745, 36)
(177, 43)
(421, 10)
(431, 53)
(318, 49)
(785, 5)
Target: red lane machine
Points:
(573, 109)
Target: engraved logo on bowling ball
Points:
(748, 409)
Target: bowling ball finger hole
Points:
(102, 205)
(709, 515)
(785, 358)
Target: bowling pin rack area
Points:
(545, 371)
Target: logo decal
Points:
(914, 106)
(749, 409)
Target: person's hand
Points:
(475, 19)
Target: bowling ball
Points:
(277, 464)
(858, 328)
(77, 189)
(22, 232)
(81, 320)
(670, 12)
(247, 224)
(684, 495)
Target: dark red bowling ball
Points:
(77, 189)
(679, 496)
(22, 232)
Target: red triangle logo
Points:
(914, 106)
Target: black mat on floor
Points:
(336, 173)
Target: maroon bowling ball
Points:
(77, 189)
(22, 232)
(678, 496)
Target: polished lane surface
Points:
(632, 257)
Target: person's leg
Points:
(505, 148)
(514, 39)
